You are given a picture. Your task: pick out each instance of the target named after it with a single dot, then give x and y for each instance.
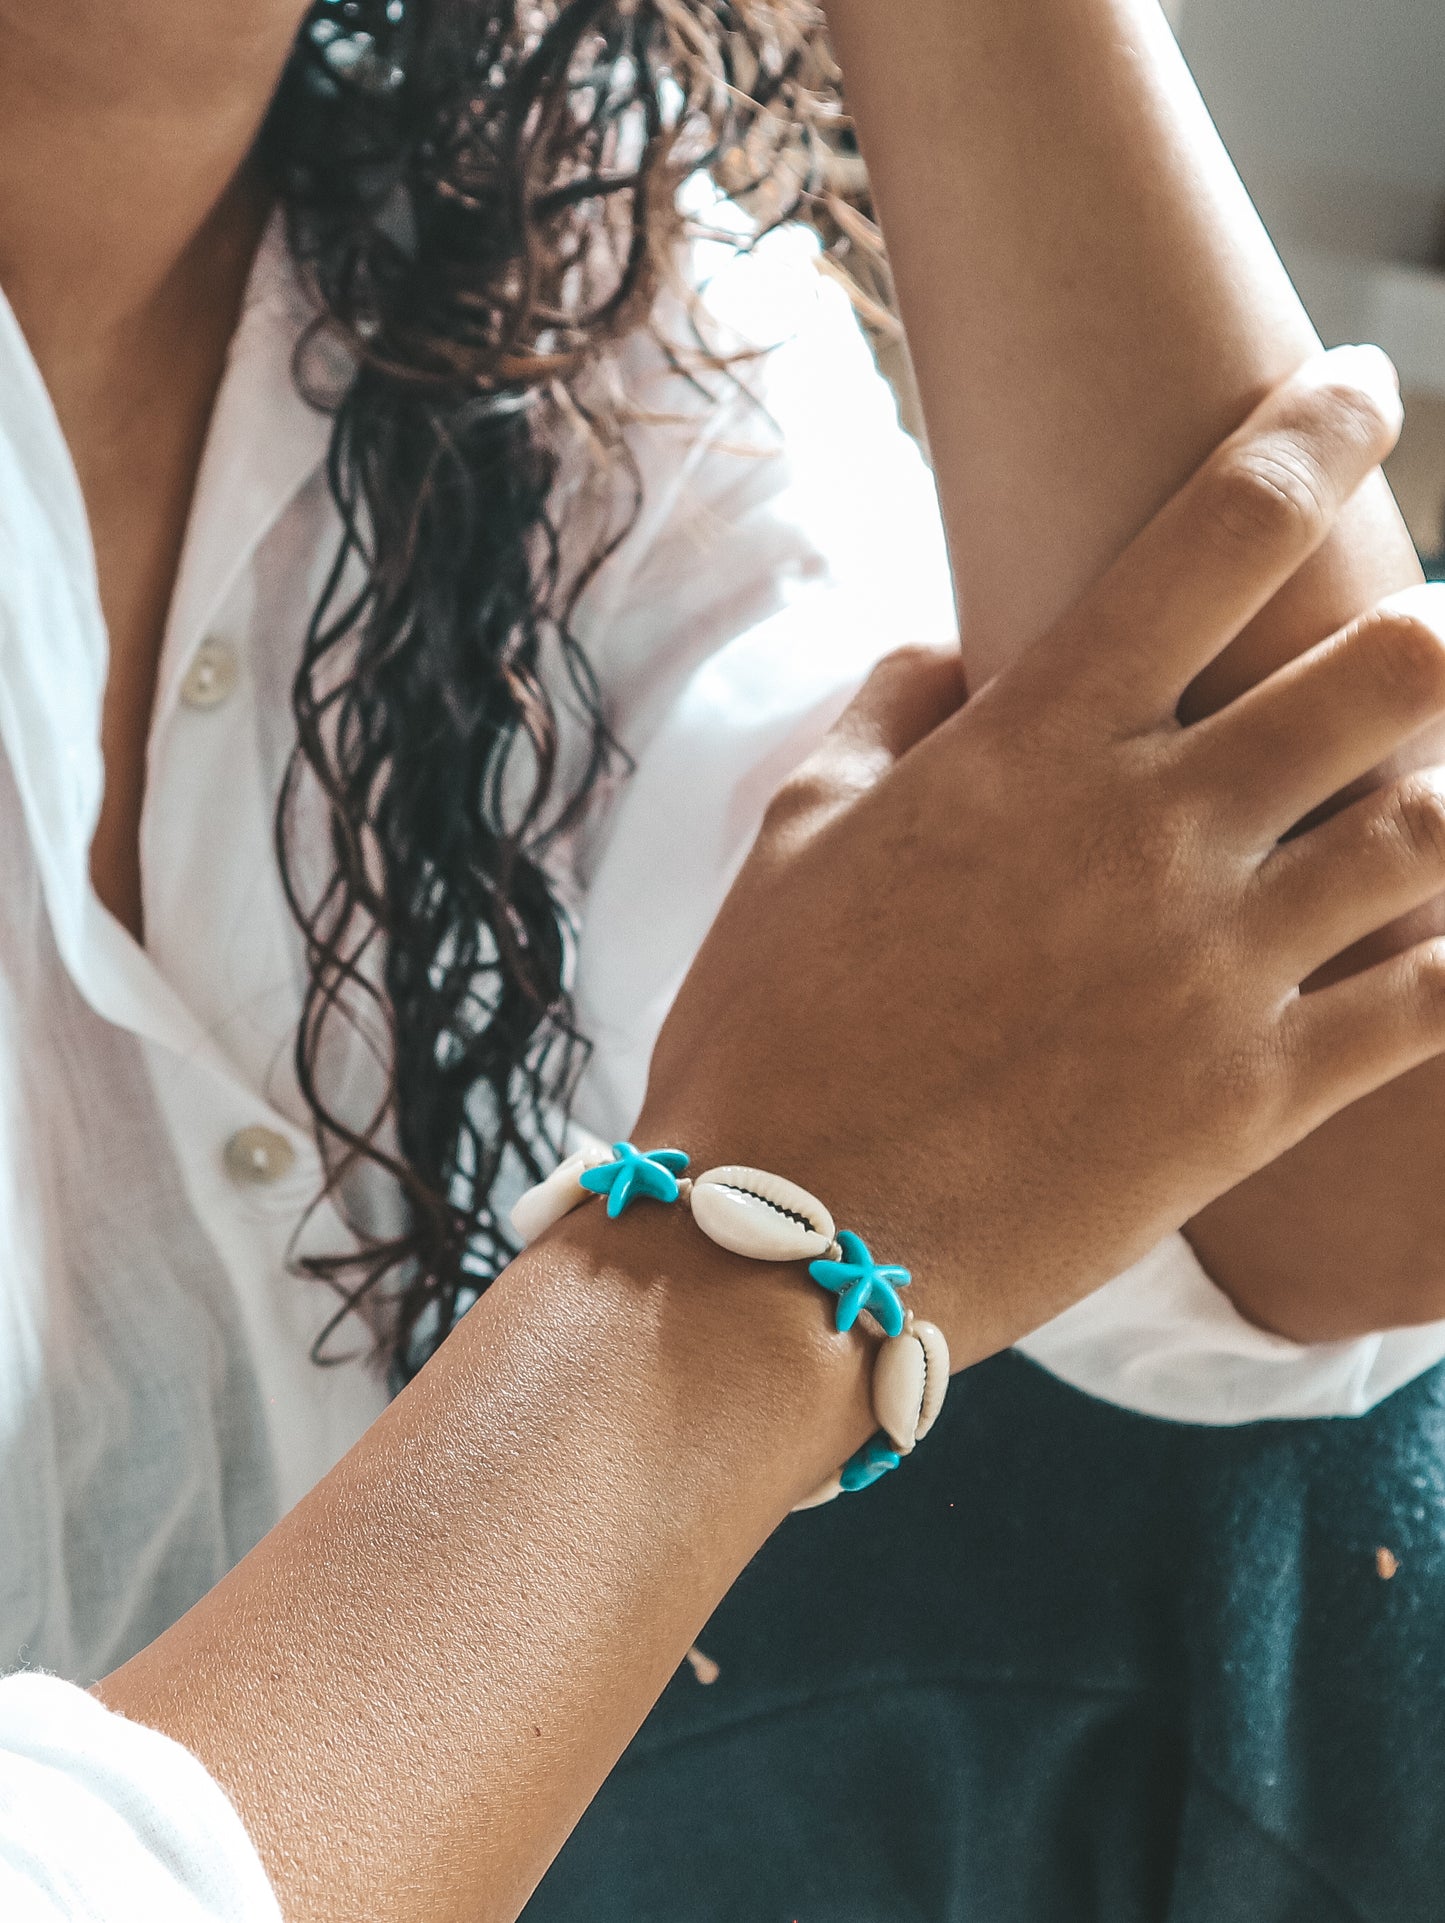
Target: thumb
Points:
(909, 694)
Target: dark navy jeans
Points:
(1067, 1665)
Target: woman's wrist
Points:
(489, 1591)
(971, 1275)
(735, 1358)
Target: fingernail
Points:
(1424, 603)
(1364, 367)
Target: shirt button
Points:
(256, 1156)
(211, 676)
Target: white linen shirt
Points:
(158, 1406)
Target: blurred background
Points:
(1334, 111)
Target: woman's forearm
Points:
(1090, 302)
(414, 1685)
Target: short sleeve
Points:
(105, 1821)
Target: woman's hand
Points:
(1015, 989)
(1091, 302)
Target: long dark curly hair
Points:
(484, 198)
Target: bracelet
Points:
(753, 1213)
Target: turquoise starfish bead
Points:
(873, 1460)
(634, 1174)
(861, 1283)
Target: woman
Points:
(414, 1684)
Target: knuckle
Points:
(901, 672)
(907, 660)
(838, 773)
(1342, 416)
(1250, 1093)
(1415, 815)
(1427, 984)
(906, 694)
(1407, 657)
(810, 791)
(1270, 493)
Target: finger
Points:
(908, 694)
(1360, 1033)
(1356, 872)
(1322, 721)
(1224, 546)
(906, 697)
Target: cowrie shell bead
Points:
(756, 1214)
(935, 1347)
(556, 1195)
(825, 1492)
(900, 1375)
(910, 1380)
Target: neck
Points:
(125, 128)
(128, 218)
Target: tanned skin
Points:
(127, 226)
(414, 1685)
(1091, 303)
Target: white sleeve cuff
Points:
(1163, 1339)
(105, 1821)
